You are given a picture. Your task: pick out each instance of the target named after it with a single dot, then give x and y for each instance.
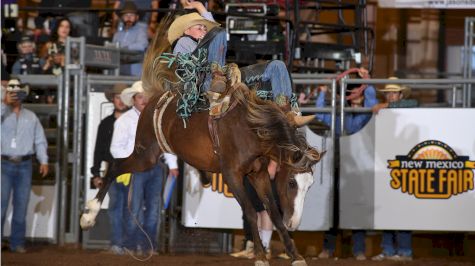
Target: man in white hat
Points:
(117, 192)
(147, 185)
(22, 138)
(396, 97)
(187, 31)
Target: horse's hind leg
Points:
(139, 161)
(234, 181)
(264, 191)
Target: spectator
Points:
(22, 136)
(396, 245)
(396, 97)
(145, 186)
(185, 33)
(29, 62)
(353, 123)
(133, 36)
(148, 18)
(117, 210)
(47, 19)
(54, 49)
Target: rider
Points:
(187, 31)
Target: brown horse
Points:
(245, 138)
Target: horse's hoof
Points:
(299, 263)
(261, 263)
(87, 221)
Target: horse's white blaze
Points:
(89, 219)
(304, 181)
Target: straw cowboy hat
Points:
(129, 93)
(117, 89)
(182, 23)
(128, 7)
(405, 90)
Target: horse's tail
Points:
(154, 72)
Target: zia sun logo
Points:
(432, 170)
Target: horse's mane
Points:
(277, 133)
(154, 73)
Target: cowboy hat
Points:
(182, 23)
(128, 7)
(129, 93)
(116, 89)
(405, 90)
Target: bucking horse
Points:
(237, 143)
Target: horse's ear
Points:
(316, 156)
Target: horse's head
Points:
(292, 186)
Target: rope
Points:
(189, 67)
(356, 92)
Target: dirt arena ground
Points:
(49, 255)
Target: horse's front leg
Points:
(261, 182)
(234, 182)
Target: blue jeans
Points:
(118, 213)
(16, 178)
(147, 196)
(359, 245)
(358, 237)
(397, 243)
(276, 72)
(216, 54)
(329, 240)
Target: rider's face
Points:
(197, 31)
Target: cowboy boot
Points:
(218, 82)
(217, 104)
(293, 112)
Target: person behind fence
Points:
(28, 61)
(396, 245)
(118, 192)
(186, 33)
(353, 123)
(395, 96)
(22, 138)
(149, 18)
(54, 50)
(145, 186)
(133, 36)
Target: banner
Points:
(417, 174)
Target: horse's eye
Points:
(292, 183)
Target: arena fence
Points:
(75, 89)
